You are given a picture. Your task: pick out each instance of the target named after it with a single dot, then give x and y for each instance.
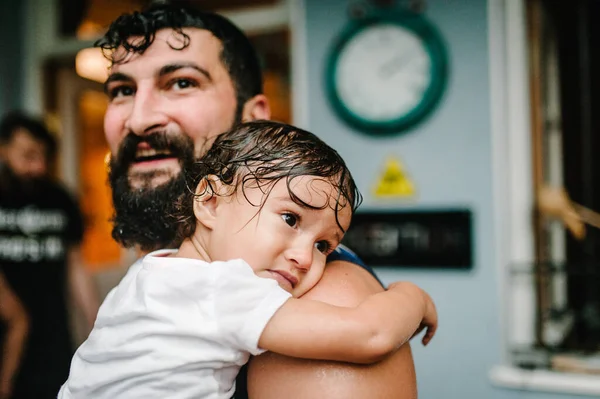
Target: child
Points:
(270, 202)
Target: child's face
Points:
(285, 241)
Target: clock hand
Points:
(395, 64)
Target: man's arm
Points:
(275, 376)
(82, 287)
(366, 333)
(17, 325)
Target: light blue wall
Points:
(11, 54)
(449, 159)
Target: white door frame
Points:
(513, 190)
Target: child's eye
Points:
(323, 246)
(290, 219)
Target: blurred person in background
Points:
(179, 77)
(41, 228)
(16, 324)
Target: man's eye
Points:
(180, 84)
(323, 247)
(121, 91)
(290, 219)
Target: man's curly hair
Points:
(260, 154)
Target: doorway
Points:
(565, 92)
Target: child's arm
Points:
(364, 334)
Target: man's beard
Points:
(21, 186)
(147, 216)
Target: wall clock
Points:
(387, 71)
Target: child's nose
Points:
(301, 257)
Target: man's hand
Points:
(430, 317)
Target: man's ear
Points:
(256, 108)
(206, 200)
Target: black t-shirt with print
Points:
(36, 232)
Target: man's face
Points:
(170, 92)
(25, 156)
(165, 107)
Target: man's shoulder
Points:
(344, 284)
(65, 191)
(58, 193)
(344, 254)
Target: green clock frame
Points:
(437, 52)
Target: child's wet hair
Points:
(262, 153)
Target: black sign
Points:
(433, 239)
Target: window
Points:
(537, 120)
(553, 308)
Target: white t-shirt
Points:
(174, 328)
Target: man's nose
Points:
(37, 167)
(147, 113)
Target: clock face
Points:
(383, 72)
(387, 73)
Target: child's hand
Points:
(430, 317)
(430, 320)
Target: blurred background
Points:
(476, 173)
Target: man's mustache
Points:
(161, 141)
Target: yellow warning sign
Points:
(394, 182)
